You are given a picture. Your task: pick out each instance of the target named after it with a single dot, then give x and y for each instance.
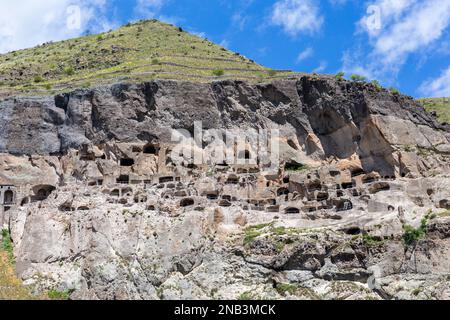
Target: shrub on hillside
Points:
(376, 84)
(69, 71)
(394, 90)
(411, 235)
(340, 75)
(218, 72)
(357, 78)
(38, 79)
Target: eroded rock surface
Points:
(96, 205)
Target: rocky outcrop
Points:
(101, 209)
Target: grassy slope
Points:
(440, 105)
(141, 51)
(11, 288)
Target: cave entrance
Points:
(348, 185)
(123, 179)
(42, 192)
(282, 192)
(232, 179)
(165, 179)
(212, 196)
(8, 197)
(126, 162)
(292, 210)
(151, 149)
(187, 202)
(357, 172)
(344, 205)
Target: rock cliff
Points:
(358, 207)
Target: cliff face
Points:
(337, 112)
(367, 163)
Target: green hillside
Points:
(439, 105)
(141, 51)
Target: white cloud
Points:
(351, 64)
(439, 87)
(224, 43)
(407, 26)
(239, 20)
(297, 16)
(389, 11)
(148, 8)
(305, 54)
(321, 68)
(338, 2)
(34, 22)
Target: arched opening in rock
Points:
(224, 203)
(128, 192)
(8, 197)
(292, 210)
(232, 179)
(334, 173)
(42, 192)
(115, 193)
(322, 196)
(226, 197)
(282, 192)
(344, 205)
(151, 208)
(187, 202)
(126, 162)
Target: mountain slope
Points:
(441, 106)
(141, 51)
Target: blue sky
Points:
(402, 43)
